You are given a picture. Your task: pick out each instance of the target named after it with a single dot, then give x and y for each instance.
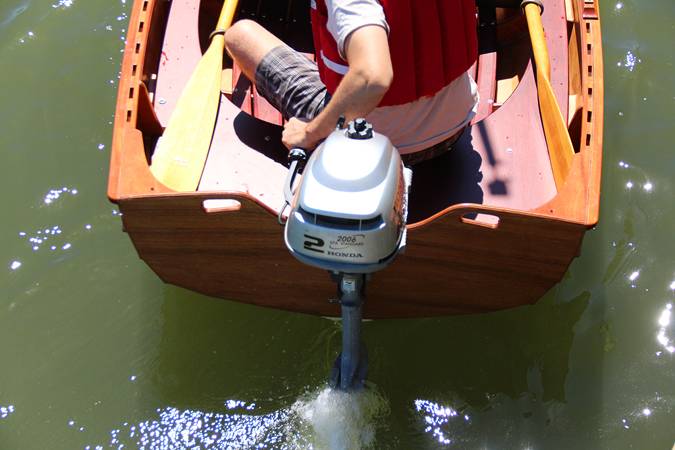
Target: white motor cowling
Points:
(349, 212)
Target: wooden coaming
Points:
(456, 261)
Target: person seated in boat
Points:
(402, 64)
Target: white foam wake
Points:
(340, 420)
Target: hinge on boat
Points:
(590, 10)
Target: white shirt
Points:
(416, 125)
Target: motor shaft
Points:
(352, 287)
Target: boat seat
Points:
(244, 95)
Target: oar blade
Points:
(178, 160)
(560, 148)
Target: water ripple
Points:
(16, 12)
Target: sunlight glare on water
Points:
(49, 237)
(174, 428)
(630, 61)
(662, 336)
(63, 4)
(323, 420)
(6, 411)
(438, 418)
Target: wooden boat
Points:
(488, 229)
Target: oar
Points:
(179, 159)
(560, 149)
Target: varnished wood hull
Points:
(458, 259)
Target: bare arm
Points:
(367, 81)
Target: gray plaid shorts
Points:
(291, 83)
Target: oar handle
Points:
(533, 10)
(226, 17)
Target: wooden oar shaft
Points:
(226, 15)
(539, 48)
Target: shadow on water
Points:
(499, 380)
(229, 347)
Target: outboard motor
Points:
(348, 216)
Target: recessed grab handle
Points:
(218, 205)
(481, 219)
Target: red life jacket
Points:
(432, 42)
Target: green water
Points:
(96, 351)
